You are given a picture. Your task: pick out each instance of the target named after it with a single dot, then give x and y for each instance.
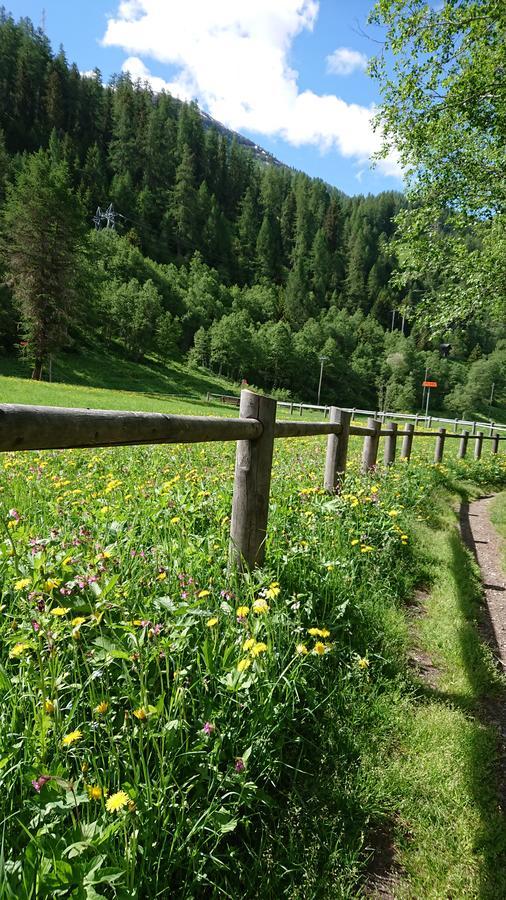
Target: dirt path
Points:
(482, 539)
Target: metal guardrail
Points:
(381, 415)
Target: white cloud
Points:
(233, 57)
(90, 73)
(344, 61)
(138, 70)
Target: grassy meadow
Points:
(169, 729)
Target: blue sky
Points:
(289, 74)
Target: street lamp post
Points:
(322, 359)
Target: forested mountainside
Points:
(248, 267)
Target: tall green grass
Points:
(169, 729)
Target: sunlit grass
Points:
(168, 729)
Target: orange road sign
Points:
(429, 383)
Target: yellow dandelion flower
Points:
(117, 801)
(363, 662)
(301, 649)
(393, 512)
(59, 610)
(243, 664)
(71, 738)
(261, 607)
(318, 632)
(175, 520)
(18, 650)
(52, 583)
(212, 622)
(366, 549)
(95, 792)
(102, 708)
(78, 620)
(249, 644)
(259, 648)
(162, 576)
(319, 648)
(141, 713)
(242, 612)
(22, 584)
(49, 707)
(204, 593)
(354, 542)
(273, 590)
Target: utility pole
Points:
(424, 388)
(108, 216)
(322, 359)
(491, 400)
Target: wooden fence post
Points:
(371, 441)
(337, 449)
(478, 445)
(253, 465)
(390, 444)
(440, 445)
(463, 445)
(495, 443)
(407, 441)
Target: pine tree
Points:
(44, 235)
(268, 249)
(185, 204)
(248, 226)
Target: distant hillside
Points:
(258, 152)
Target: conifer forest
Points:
(247, 268)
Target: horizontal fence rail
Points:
(52, 428)
(55, 428)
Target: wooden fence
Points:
(256, 429)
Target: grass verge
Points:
(449, 829)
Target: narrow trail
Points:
(483, 540)
(486, 545)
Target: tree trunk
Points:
(37, 370)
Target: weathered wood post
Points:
(253, 465)
(474, 429)
(440, 445)
(371, 441)
(478, 445)
(337, 449)
(407, 441)
(463, 445)
(390, 444)
(495, 443)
